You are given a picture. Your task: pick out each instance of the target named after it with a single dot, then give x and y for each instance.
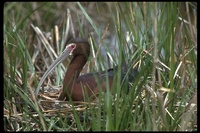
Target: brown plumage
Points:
(78, 87)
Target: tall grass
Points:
(157, 39)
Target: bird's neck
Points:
(73, 71)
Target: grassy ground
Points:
(157, 39)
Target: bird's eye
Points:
(73, 46)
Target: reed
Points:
(157, 39)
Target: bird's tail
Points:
(128, 71)
(128, 75)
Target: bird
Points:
(77, 87)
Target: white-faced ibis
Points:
(75, 86)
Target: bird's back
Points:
(92, 81)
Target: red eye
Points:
(73, 46)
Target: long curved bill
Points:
(68, 51)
